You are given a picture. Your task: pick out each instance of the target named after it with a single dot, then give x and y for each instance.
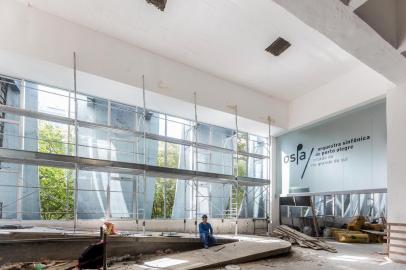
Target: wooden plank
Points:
(233, 253)
(302, 239)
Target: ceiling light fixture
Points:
(278, 46)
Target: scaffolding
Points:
(139, 171)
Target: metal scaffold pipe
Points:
(269, 195)
(196, 162)
(145, 153)
(236, 170)
(75, 208)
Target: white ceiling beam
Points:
(337, 22)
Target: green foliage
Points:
(165, 186)
(242, 142)
(56, 193)
(241, 166)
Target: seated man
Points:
(206, 233)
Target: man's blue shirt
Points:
(205, 228)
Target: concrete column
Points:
(274, 201)
(396, 152)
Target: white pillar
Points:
(274, 188)
(396, 153)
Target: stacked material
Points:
(336, 231)
(360, 231)
(374, 227)
(351, 237)
(301, 239)
(357, 223)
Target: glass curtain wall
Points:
(108, 130)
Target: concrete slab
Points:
(27, 246)
(247, 250)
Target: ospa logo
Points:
(298, 157)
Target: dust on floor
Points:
(349, 256)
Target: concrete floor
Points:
(349, 256)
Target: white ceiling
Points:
(226, 38)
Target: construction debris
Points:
(52, 265)
(301, 239)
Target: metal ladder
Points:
(233, 207)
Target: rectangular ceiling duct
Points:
(160, 4)
(278, 46)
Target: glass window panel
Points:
(379, 205)
(214, 161)
(122, 182)
(92, 180)
(319, 205)
(92, 204)
(56, 193)
(346, 205)
(8, 202)
(242, 143)
(221, 137)
(164, 198)
(185, 157)
(257, 168)
(338, 205)
(9, 132)
(257, 145)
(123, 116)
(328, 205)
(172, 155)
(123, 147)
(154, 122)
(92, 109)
(366, 203)
(8, 191)
(177, 127)
(203, 133)
(242, 166)
(121, 204)
(354, 205)
(53, 138)
(49, 100)
(94, 143)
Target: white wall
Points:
(396, 152)
(43, 36)
(353, 89)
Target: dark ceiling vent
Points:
(403, 53)
(278, 46)
(346, 2)
(160, 4)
